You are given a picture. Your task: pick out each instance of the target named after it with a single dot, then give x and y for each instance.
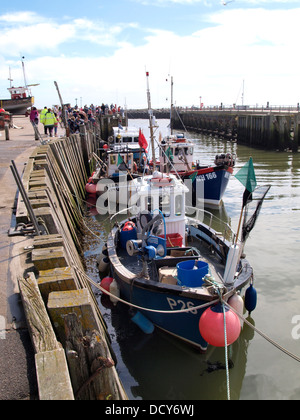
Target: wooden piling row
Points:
(267, 130)
(54, 179)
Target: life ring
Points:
(128, 226)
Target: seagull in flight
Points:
(226, 2)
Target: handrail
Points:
(228, 231)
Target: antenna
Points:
(151, 122)
(10, 79)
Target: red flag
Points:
(142, 141)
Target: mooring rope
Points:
(278, 346)
(226, 354)
(175, 311)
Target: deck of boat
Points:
(175, 255)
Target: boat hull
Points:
(183, 325)
(214, 179)
(168, 303)
(17, 106)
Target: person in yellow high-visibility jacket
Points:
(42, 117)
(49, 121)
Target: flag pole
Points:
(239, 226)
(246, 176)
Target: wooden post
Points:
(91, 366)
(51, 366)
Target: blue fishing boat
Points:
(209, 182)
(173, 267)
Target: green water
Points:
(158, 367)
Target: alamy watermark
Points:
(116, 197)
(296, 329)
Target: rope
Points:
(226, 354)
(193, 308)
(226, 345)
(278, 346)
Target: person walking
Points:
(56, 123)
(34, 116)
(42, 117)
(49, 122)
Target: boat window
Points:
(113, 160)
(176, 151)
(126, 139)
(186, 150)
(178, 205)
(191, 150)
(147, 203)
(136, 140)
(164, 205)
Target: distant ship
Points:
(20, 97)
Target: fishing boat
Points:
(122, 160)
(20, 97)
(173, 267)
(209, 182)
(117, 166)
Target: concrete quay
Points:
(17, 368)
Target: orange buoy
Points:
(211, 326)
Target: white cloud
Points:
(28, 32)
(254, 45)
(21, 17)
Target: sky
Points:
(234, 52)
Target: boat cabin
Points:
(165, 194)
(176, 149)
(127, 139)
(126, 135)
(119, 162)
(17, 92)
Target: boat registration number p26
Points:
(180, 305)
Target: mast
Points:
(171, 108)
(10, 79)
(23, 67)
(150, 112)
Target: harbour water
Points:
(159, 367)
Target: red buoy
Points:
(91, 188)
(105, 283)
(211, 326)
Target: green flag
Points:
(121, 164)
(120, 160)
(246, 176)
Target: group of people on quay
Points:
(75, 116)
(49, 117)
